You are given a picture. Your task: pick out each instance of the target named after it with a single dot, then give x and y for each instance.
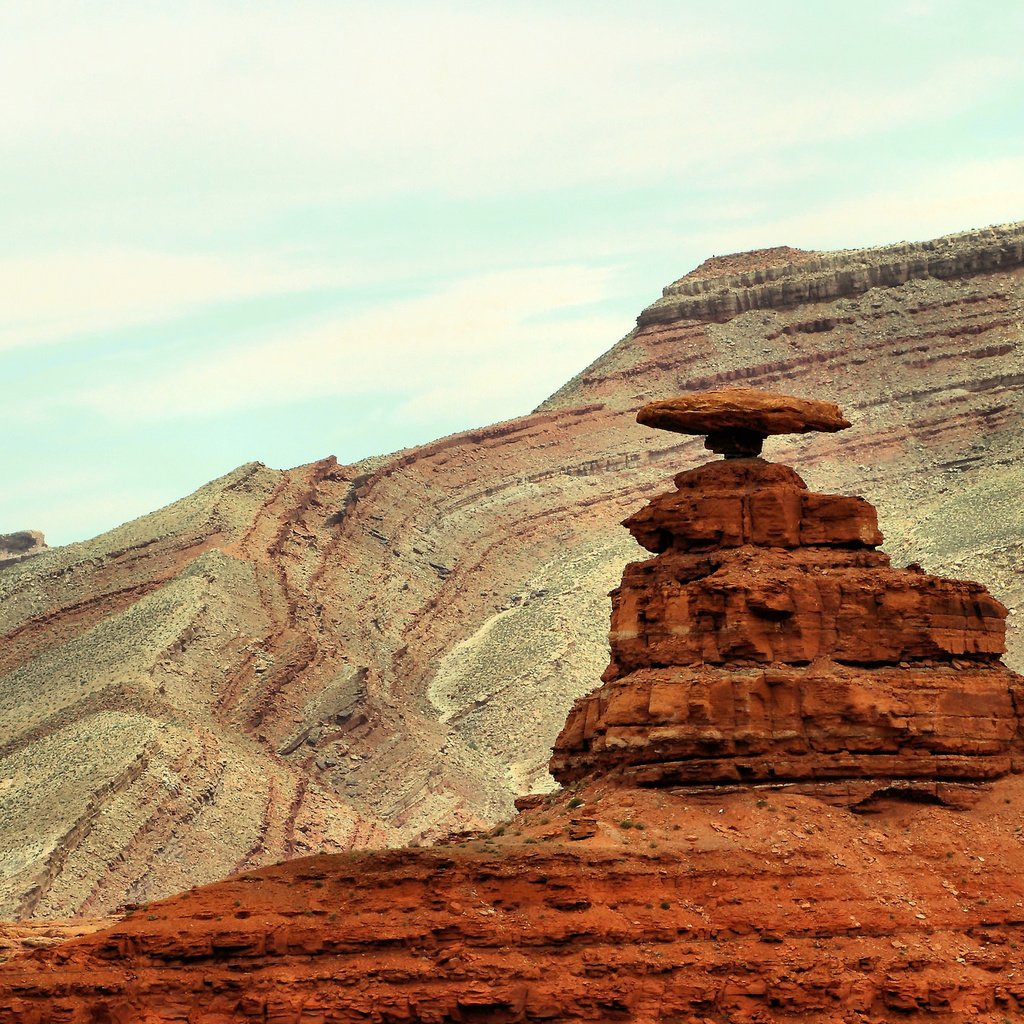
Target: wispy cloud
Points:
(354, 101)
(61, 294)
(227, 207)
(479, 342)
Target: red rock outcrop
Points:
(606, 903)
(770, 641)
(712, 885)
(746, 409)
(23, 936)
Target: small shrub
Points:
(574, 803)
(625, 823)
(665, 905)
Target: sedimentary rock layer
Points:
(603, 904)
(742, 409)
(822, 278)
(796, 723)
(794, 607)
(769, 641)
(338, 655)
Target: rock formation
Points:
(769, 641)
(16, 546)
(705, 862)
(804, 277)
(334, 656)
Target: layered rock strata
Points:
(770, 641)
(600, 904)
(680, 876)
(340, 655)
(803, 277)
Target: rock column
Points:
(769, 642)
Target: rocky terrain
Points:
(335, 656)
(725, 848)
(23, 544)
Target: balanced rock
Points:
(769, 641)
(743, 409)
(737, 420)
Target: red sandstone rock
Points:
(233, 614)
(761, 412)
(747, 501)
(769, 641)
(22, 936)
(744, 905)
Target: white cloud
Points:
(479, 342)
(346, 100)
(60, 294)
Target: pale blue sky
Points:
(276, 231)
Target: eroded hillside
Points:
(334, 656)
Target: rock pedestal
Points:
(770, 642)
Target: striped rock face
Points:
(769, 642)
(339, 656)
(793, 799)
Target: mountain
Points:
(795, 797)
(336, 656)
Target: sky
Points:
(274, 231)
